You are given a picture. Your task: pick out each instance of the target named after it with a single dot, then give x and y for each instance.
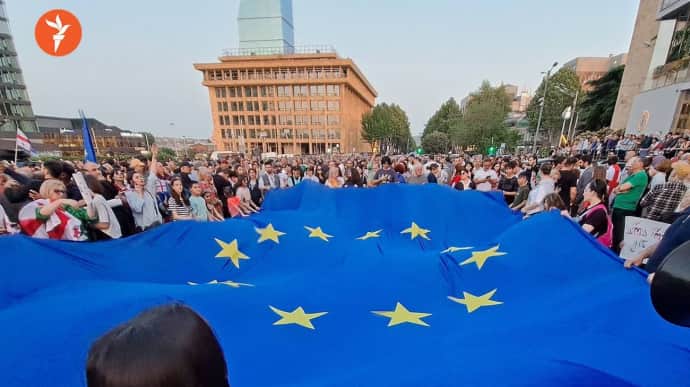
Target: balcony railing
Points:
(258, 51)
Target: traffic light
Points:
(419, 151)
(492, 150)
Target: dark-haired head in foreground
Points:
(167, 346)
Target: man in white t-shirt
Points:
(486, 177)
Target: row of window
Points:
(283, 106)
(225, 120)
(263, 74)
(285, 133)
(281, 91)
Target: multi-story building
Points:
(15, 106)
(639, 57)
(270, 96)
(307, 102)
(663, 105)
(590, 69)
(63, 137)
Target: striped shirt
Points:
(663, 199)
(181, 210)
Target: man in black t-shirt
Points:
(567, 183)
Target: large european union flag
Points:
(394, 286)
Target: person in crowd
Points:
(464, 183)
(141, 198)
(567, 182)
(354, 179)
(309, 175)
(198, 203)
(417, 176)
(268, 180)
(386, 174)
(254, 189)
(457, 175)
(586, 177)
(334, 179)
(246, 205)
(469, 167)
(662, 200)
(178, 204)
(553, 202)
(214, 215)
(546, 185)
(595, 219)
(54, 216)
(612, 173)
(628, 195)
(105, 225)
(659, 172)
(185, 176)
(485, 177)
(295, 177)
(400, 171)
(522, 195)
(508, 183)
(174, 338)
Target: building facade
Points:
(15, 106)
(62, 137)
(590, 69)
(663, 105)
(639, 58)
(307, 102)
(265, 26)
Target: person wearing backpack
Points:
(595, 219)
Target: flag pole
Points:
(16, 147)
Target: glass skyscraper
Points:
(15, 106)
(266, 26)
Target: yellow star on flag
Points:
(480, 257)
(297, 317)
(401, 315)
(318, 233)
(473, 302)
(268, 233)
(232, 251)
(416, 231)
(454, 249)
(370, 235)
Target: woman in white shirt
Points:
(659, 173)
(105, 224)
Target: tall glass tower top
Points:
(266, 25)
(15, 107)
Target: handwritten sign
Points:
(641, 233)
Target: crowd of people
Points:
(596, 183)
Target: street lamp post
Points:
(541, 110)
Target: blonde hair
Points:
(49, 185)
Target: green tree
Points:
(596, 111)
(387, 128)
(436, 142)
(563, 85)
(166, 154)
(445, 118)
(483, 122)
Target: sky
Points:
(134, 70)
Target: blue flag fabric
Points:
(89, 149)
(402, 285)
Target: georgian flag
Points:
(23, 141)
(61, 225)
